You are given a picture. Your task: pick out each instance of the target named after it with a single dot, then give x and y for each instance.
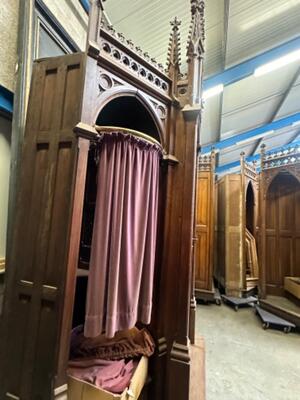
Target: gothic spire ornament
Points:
(173, 60)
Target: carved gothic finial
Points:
(262, 155)
(173, 60)
(263, 148)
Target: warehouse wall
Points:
(72, 17)
(8, 42)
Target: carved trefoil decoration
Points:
(206, 162)
(280, 158)
(248, 168)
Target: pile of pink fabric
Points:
(108, 363)
(113, 376)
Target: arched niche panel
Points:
(282, 219)
(250, 212)
(148, 115)
(128, 112)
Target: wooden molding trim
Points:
(61, 393)
(86, 131)
(2, 264)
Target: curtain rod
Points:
(141, 135)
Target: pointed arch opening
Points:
(250, 204)
(128, 112)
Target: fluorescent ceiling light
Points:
(274, 12)
(276, 64)
(252, 138)
(212, 91)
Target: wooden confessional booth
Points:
(112, 83)
(280, 233)
(236, 266)
(205, 226)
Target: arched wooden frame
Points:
(249, 176)
(115, 93)
(251, 193)
(267, 177)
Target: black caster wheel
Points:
(218, 302)
(287, 329)
(236, 308)
(266, 325)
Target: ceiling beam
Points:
(6, 100)
(252, 133)
(247, 68)
(224, 52)
(256, 157)
(225, 32)
(279, 105)
(295, 137)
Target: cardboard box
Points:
(81, 390)
(292, 285)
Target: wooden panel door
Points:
(204, 231)
(234, 235)
(282, 232)
(220, 256)
(37, 262)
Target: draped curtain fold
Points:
(124, 235)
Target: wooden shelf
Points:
(82, 272)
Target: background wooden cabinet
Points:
(204, 247)
(237, 210)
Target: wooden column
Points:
(185, 176)
(262, 213)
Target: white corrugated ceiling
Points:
(236, 30)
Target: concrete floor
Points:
(244, 362)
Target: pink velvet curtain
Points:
(124, 235)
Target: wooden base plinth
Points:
(212, 296)
(179, 372)
(61, 393)
(206, 295)
(193, 307)
(197, 382)
(281, 311)
(157, 371)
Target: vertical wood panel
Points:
(69, 108)
(204, 230)
(47, 98)
(282, 232)
(40, 240)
